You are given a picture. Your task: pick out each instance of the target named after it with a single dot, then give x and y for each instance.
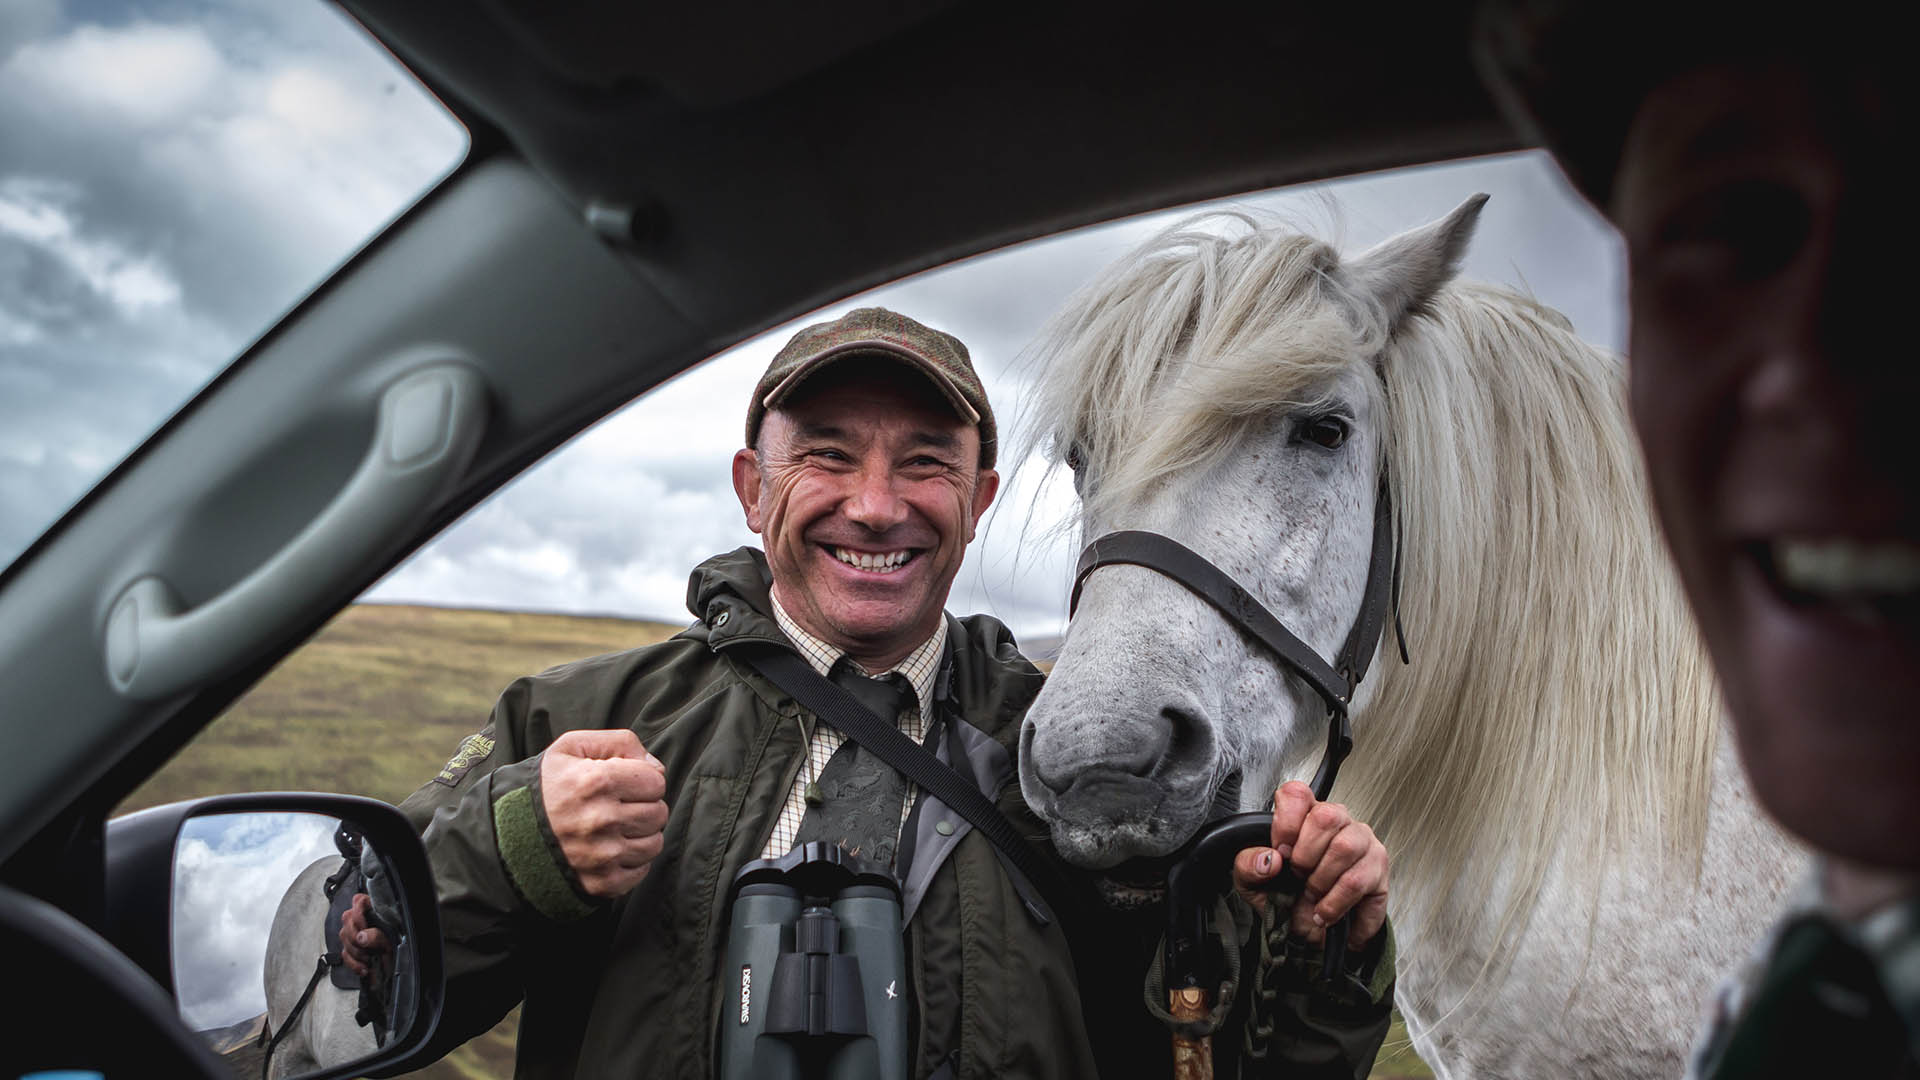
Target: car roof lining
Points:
(961, 129)
(695, 53)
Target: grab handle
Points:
(429, 425)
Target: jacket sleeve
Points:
(1310, 1028)
(502, 883)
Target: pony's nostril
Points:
(1141, 751)
(1187, 737)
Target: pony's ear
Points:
(1403, 274)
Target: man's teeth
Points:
(866, 560)
(1847, 568)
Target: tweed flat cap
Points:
(878, 332)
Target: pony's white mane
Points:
(1559, 707)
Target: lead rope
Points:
(1256, 1037)
(319, 972)
(342, 838)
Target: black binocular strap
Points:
(918, 764)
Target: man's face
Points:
(867, 489)
(1774, 387)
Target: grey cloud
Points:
(251, 204)
(44, 296)
(687, 475)
(61, 430)
(577, 539)
(231, 872)
(1535, 235)
(22, 21)
(264, 145)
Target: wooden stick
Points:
(1192, 1058)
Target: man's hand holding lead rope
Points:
(1344, 864)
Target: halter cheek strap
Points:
(1335, 683)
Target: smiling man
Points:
(586, 843)
(867, 472)
(1757, 168)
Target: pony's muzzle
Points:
(1116, 787)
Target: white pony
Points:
(1575, 856)
(324, 1033)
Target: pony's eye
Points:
(1327, 431)
(1074, 460)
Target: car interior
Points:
(645, 187)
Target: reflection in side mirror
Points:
(264, 907)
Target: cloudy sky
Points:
(175, 175)
(230, 873)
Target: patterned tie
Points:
(861, 795)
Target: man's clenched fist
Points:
(603, 794)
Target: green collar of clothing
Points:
(732, 596)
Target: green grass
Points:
(378, 701)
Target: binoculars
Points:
(815, 971)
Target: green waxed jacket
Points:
(631, 988)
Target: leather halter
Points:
(1335, 682)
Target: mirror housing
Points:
(144, 848)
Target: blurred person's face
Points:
(867, 489)
(1774, 377)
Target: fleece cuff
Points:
(531, 861)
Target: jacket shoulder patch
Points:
(474, 749)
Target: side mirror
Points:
(234, 904)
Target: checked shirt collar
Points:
(920, 667)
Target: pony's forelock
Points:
(1164, 361)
